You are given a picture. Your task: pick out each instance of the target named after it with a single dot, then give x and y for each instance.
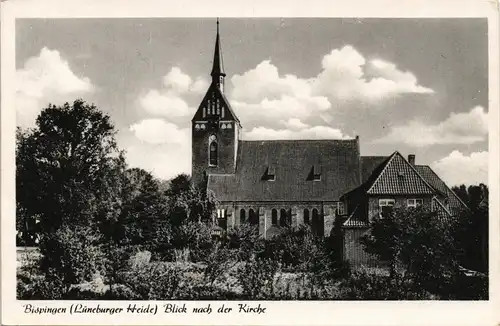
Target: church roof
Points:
(369, 164)
(290, 170)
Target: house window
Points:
(242, 216)
(274, 217)
(213, 151)
(306, 216)
(386, 207)
(415, 202)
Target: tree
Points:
(68, 175)
(188, 202)
(62, 164)
(420, 242)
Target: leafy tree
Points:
(61, 164)
(187, 201)
(420, 242)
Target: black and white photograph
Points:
(262, 159)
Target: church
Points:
(277, 183)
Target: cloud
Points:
(158, 131)
(457, 168)
(261, 94)
(263, 97)
(294, 123)
(167, 104)
(347, 75)
(164, 161)
(46, 78)
(171, 100)
(459, 128)
(317, 132)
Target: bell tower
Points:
(215, 129)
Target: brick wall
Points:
(226, 141)
(400, 201)
(354, 251)
(326, 213)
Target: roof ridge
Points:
(442, 206)
(454, 194)
(389, 159)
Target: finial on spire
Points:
(218, 67)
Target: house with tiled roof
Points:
(279, 183)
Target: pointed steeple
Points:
(218, 67)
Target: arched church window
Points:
(274, 217)
(213, 151)
(218, 110)
(204, 111)
(253, 217)
(283, 217)
(197, 127)
(306, 216)
(229, 126)
(223, 126)
(222, 111)
(242, 216)
(203, 127)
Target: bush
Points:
(365, 285)
(256, 278)
(246, 240)
(153, 281)
(71, 255)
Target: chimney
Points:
(411, 159)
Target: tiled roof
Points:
(355, 221)
(291, 161)
(397, 177)
(369, 164)
(454, 202)
(440, 209)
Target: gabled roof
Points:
(214, 92)
(454, 202)
(290, 161)
(398, 176)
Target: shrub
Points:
(153, 281)
(256, 278)
(71, 255)
(218, 262)
(246, 240)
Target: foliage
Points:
(473, 195)
(245, 240)
(218, 262)
(196, 236)
(256, 277)
(418, 241)
(61, 164)
(71, 255)
(153, 281)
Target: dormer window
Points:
(314, 174)
(269, 174)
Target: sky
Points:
(418, 86)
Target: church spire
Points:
(218, 67)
